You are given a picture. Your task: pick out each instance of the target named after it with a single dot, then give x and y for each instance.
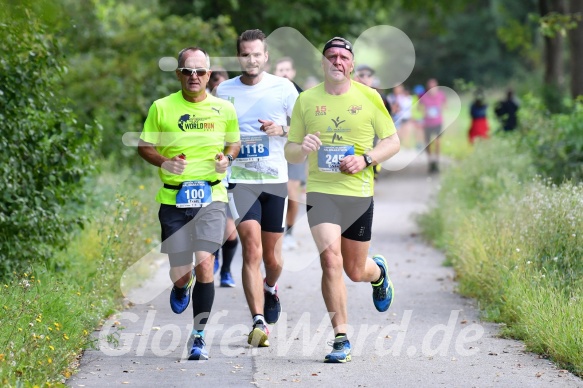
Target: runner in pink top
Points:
(432, 102)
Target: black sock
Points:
(340, 335)
(229, 249)
(288, 229)
(382, 276)
(203, 296)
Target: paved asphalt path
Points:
(430, 337)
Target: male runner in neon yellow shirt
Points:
(192, 137)
(333, 124)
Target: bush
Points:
(554, 140)
(514, 241)
(45, 153)
(48, 313)
(474, 184)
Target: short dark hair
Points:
(219, 71)
(192, 48)
(285, 59)
(249, 36)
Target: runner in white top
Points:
(261, 159)
(263, 103)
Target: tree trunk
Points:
(553, 55)
(553, 59)
(576, 50)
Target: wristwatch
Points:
(367, 159)
(230, 157)
(284, 131)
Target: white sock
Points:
(258, 317)
(271, 290)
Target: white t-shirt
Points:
(404, 104)
(261, 159)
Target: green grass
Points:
(515, 243)
(49, 312)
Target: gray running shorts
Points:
(193, 229)
(432, 132)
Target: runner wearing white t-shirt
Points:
(263, 103)
(401, 110)
(271, 99)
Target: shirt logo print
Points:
(337, 121)
(189, 122)
(354, 109)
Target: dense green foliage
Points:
(317, 20)
(453, 39)
(515, 243)
(114, 72)
(555, 141)
(48, 313)
(45, 151)
(460, 41)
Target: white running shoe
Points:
(289, 243)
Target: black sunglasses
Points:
(190, 72)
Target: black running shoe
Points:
(272, 307)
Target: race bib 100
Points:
(194, 194)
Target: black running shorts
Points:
(353, 214)
(264, 203)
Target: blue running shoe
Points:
(227, 280)
(340, 352)
(272, 307)
(216, 267)
(258, 337)
(198, 351)
(382, 293)
(180, 296)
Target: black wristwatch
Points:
(367, 159)
(284, 131)
(230, 157)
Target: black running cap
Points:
(335, 42)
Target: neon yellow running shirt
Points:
(347, 124)
(199, 131)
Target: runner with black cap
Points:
(333, 125)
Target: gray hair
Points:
(193, 48)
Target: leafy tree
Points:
(457, 43)
(317, 20)
(576, 48)
(115, 72)
(527, 23)
(45, 152)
